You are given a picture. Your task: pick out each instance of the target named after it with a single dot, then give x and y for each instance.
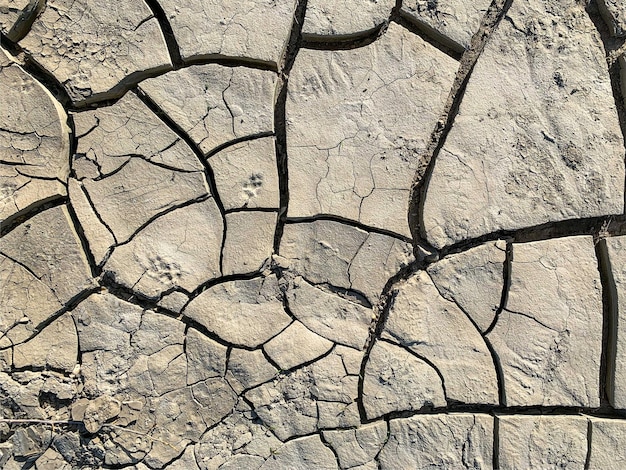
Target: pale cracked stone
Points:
(459, 441)
(246, 175)
(607, 450)
(456, 20)
(215, 104)
(357, 122)
(337, 254)
(549, 337)
(129, 198)
(47, 244)
(536, 441)
(100, 410)
(243, 312)
(305, 452)
(355, 447)
(109, 137)
(437, 330)
(614, 13)
(249, 241)
(396, 380)
(341, 320)
(474, 280)
(178, 249)
(91, 48)
(252, 29)
(330, 19)
(34, 142)
(321, 395)
(296, 345)
(537, 137)
(56, 347)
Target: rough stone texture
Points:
(215, 104)
(474, 280)
(439, 441)
(550, 348)
(396, 380)
(542, 441)
(253, 29)
(14, 14)
(306, 452)
(616, 251)
(357, 121)
(90, 47)
(34, 142)
(244, 313)
(457, 21)
(535, 131)
(607, 444)
(344, 18)
(437, 330)
(246, 175)
(614, 13)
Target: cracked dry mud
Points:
(280, 234)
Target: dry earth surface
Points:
(323, 234)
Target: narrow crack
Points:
(168, 33)
(280, 123)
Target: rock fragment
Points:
(396, 380)
(255, 29)
(474, 280)
(34, 142)
(91, 48)
(215, 104)
(244, 313)
(550, 348)
(536, 441)
(345, 113)
(99, 411)
(539, 149)
(327, 19)
(437, 330)
(456, 21)
(460, 440)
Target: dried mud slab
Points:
(254, 29)
(537, 137)
(455, 20)
(328, 19)
(34, 142)
(357, 122)
(91, 47)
